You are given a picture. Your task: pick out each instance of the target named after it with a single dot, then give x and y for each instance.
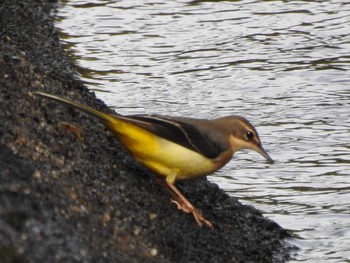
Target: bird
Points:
(178, 148)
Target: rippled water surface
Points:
(282, 64)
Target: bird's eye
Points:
(249, 135)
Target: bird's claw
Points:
(200, 219)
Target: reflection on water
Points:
(283, 65)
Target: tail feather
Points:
(102, 116)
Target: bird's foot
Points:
(200, 219)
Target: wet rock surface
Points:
(69, 192)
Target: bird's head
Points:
(243, 135)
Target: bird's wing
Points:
(180, 131)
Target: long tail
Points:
(104, 117)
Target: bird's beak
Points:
(262, 151)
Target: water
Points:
(284, 65)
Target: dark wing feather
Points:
(178, 131)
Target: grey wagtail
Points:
(178, 148)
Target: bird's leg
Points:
(183, 204)
(174, 196)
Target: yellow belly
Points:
(169, 159)
(163, 157)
